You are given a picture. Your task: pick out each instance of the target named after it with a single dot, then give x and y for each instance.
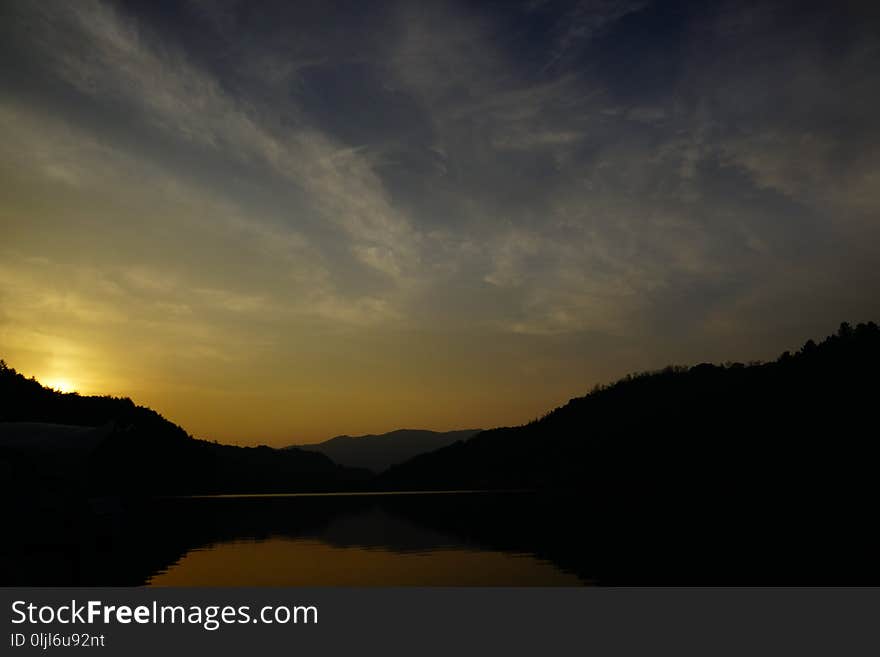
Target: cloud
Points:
(585, 207)
(174, 95)
(292, 178)
(205, 230)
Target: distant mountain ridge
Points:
(766, 471)
(793, 422)
(377, 452)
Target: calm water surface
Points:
(358, 540)
(306, 562)
(463, 538)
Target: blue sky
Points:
(279, 222)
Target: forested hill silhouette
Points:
(72, 443)
(806, 421)
(378, 452)
(734, 474)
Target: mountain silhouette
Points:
(69, 443)
(762, 473)
(802, 421)
(378, 452)
(798, 421)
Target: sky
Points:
(276, 223)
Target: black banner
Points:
(441, 621)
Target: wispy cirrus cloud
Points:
(617, 184)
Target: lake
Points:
(399, 539)
(604, 536)
(357, 540)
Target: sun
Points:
(61, 385)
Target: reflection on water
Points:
(355, 540)
(516, 538)
(460, 539)
(308, 562)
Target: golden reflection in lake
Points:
(299, 562)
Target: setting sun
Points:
(61, 385)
